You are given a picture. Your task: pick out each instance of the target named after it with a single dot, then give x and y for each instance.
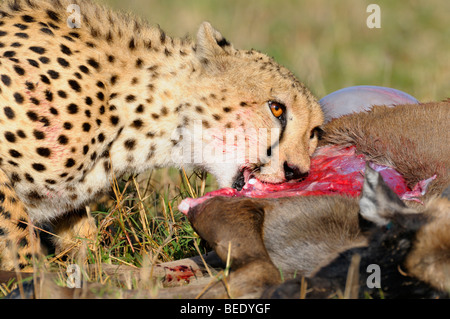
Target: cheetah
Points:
(82, 102)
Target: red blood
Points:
(180, 273)
(334, 170)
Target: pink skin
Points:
(334, 169)
(52, 132)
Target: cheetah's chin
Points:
(246, 178)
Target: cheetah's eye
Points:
(276, 108)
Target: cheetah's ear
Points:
(211, 46)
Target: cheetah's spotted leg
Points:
(18, 241)
(71, 230)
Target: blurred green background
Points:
(327, 44)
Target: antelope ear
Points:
(378, 203)
(211, 46)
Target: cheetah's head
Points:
(260, 120)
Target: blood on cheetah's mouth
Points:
(243, 177)
(246, 179)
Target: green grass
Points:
(326, 43)
(138, 225)
(143, 220)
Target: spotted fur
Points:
(79, 104)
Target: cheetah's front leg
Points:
(71, 229)
(18, 241)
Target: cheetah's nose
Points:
(292, 172)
